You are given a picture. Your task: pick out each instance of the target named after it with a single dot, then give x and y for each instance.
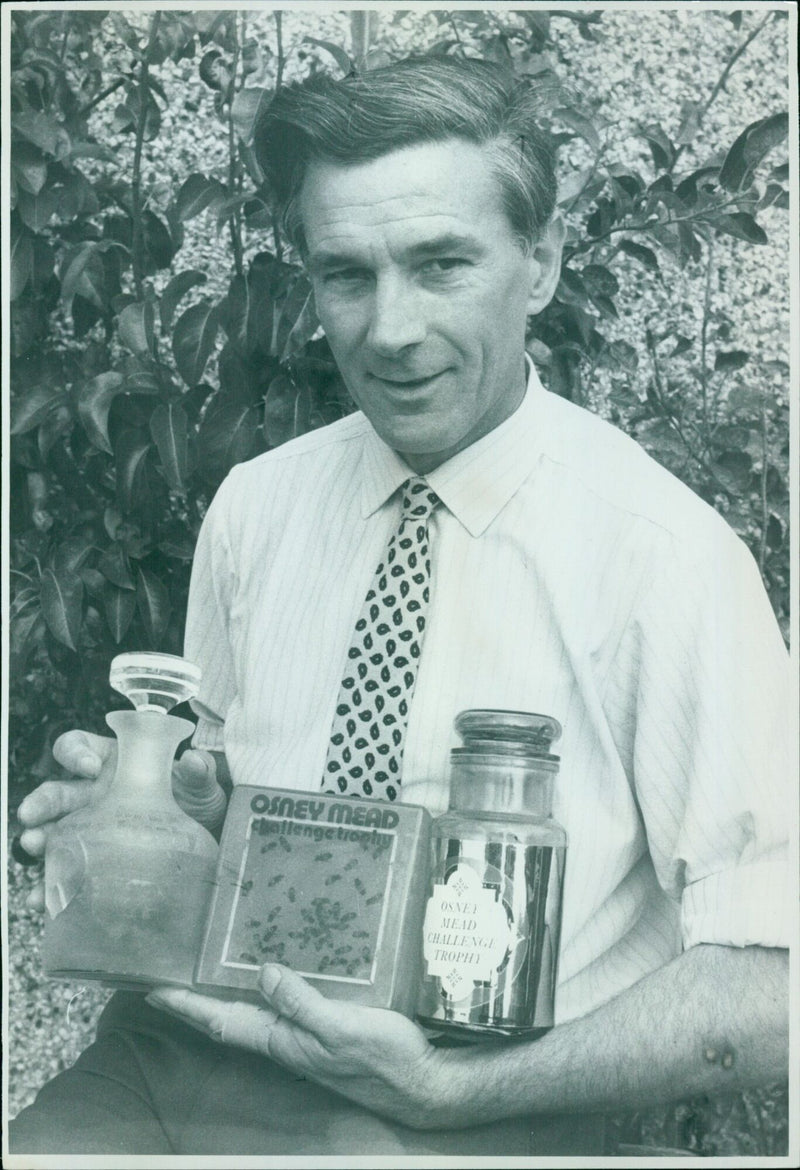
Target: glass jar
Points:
(493, 918)
(128, 878)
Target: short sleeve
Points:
(207, 641)
(712, 754)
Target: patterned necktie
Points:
(367, 738)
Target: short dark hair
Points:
(420, 99)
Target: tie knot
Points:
(419, 499)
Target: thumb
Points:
(195, 787)
(195, 773)
(288, 994)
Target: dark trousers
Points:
(152, 1085)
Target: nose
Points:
(396, 320)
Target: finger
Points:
(34, 842)
(51, 800)
(81, 753)
(244, 1025)
(21, 855)
(288, 994)
(195, 787)
(35, 899)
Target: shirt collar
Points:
(477, 483)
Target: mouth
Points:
(406, 385)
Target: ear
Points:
(544, 265)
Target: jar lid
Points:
(483, 729)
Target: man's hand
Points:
(89, 761)
(376, 1058)
(714, 1020)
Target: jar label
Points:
(467, 933)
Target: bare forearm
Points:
(714, 1020)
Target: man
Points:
(568, 574)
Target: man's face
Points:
(423, 293)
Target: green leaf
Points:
(228, 207)
(682, 345)
(83, 274)
(733, 359)
(279, 408)
(169, 428)
(228, 435)
(339, 55)
(178, 543)
(605, 305)
(152, 598)
(578, 122)
(305, 326)
(774, 194)
(602, 218)
(72, 553)
(130, 452)
(690, 245)
(742, 226)
(248, 309)
(247, 109)
(119, 606)
(175, 291)
(96, 150)
(62, 606)
(752, 145)
(43, 131)
(733, 470)
(744, 401)
(577, 184)
(623, 356)
(115, 566)
(21, 259)
(645, 256)
(76, 196)
(94, 402)
(24, 632)
(136, 327)
(196, 194)
(56, 424)
(599, 279)
(690, 123)
(213, 71)
(193, 340)
(661, 147)
(159, 247)
(28, 410)
(571, 289)
(28, 167)
(774, 535)
(36, 211)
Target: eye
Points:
(346, 276)
(441, 265)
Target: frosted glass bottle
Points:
(128, 878)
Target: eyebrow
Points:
(326, 259)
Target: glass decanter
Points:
(128, 878)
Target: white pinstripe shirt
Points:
(571, 575)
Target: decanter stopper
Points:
(154, 682)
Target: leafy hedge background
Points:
(161, 331)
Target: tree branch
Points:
(234, 219)
(137, 242)
(723, 77)
(276, 231)
(762, 548)
(704, 338)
